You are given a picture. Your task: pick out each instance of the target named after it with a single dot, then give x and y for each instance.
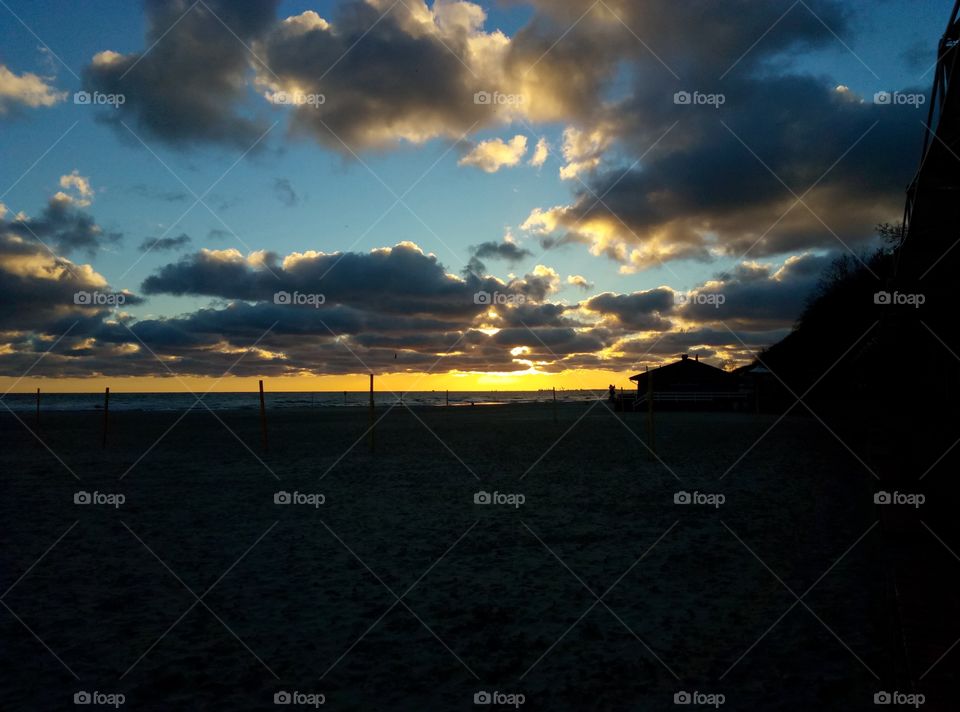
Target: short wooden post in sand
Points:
(448, 397)
(554, 404)
(38, 407)
(263, 420)
(106, 416)
(371, 414)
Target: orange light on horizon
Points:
(526, 380)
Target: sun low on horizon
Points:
(200, 196)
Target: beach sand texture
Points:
(492, 597)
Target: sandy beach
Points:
(500, 597)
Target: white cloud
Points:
(27, 90)
(582, 150)
(540, 153)
(78, 183)
(576, 280)
(490, 156)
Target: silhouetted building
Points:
(689, 384)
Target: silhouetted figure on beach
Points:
(613, 392)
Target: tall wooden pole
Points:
(650, 434)
(106, 416)
(263, 420)
(371, 414)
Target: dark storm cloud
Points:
(185, 86)
(165, 244)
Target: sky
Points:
(451, 195)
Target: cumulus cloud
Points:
(576, 280)
(62, 226)
(681, 181)
(583, 150)
(26, 90)
(80, 193)
(492, 155)
(540, 153)
(189, 82)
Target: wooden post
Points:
(344, 397)
(38, 407)
(650, 434)
(263, 420)
(448, 397)
(106, 413)
(371, 414)
(554, 404)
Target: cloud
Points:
(39, 288)
(583, 150)
(165, 244)
(540, 153)
(492, 155)
(757, 296)
(186, 87)
(62, 227)
(285, 193)
(395, 309)
(78, 184)
(507, 250)
(26, 90)
(169, 196)
(576, 280)
(681, 181)
(639, 311)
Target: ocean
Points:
(153, 402)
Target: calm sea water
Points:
(241, 401)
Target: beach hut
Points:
(689, 384)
